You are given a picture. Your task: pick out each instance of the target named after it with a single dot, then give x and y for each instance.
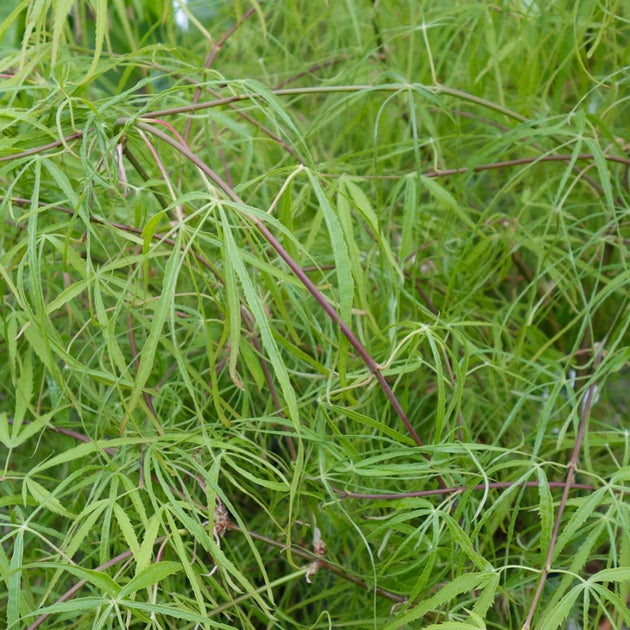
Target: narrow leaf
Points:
(147, 354)
(127, 529)
(149, 576)
(45, 498)
(145, 553)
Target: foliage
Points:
(314, 314)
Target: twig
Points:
(297, 271)
(347, 494)
(324, 564)
(573, 462)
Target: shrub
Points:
(314, 314)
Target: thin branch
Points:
(81, 583)
(297, 271)
(568, 484)
(41, 148)
(215, 49)
(324, 564)
(520, 161)
(310, 70)
(296, 551)
(70, 433)
(347, 494)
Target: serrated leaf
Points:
(461, 584)
(453, 625)
(466, 545)
(82, 450)
(9, 20)
(616, 574)
(67, 295)
(602, 170)
(176, 613)
(485, 600)
(148, 230)
(45, 498)
(410, 220)
(444, 197)
(545, 510)
(61, 179)
(99, 579)
(145, 553)
(5, 436)
(563, 609)
(362, 203)
(256, 307)
(234, 311)
(76, 605)
(23, 392)
(101, 30)
(147, 354)
(149, 576)
(584, 511)
(127, 529)
(252, 361)
(343, 268)
(86, 520)
(27, 430)
(60, 17)
(13, 580)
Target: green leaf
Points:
(445, 198)
(616, 574)
(147, 354)
(83, 450)
(257, 309)
(86, 521)
(234, 315)
(61, 179)
(343, 268)
(454, 625)
(149, 576)
(174, 612)
(14, 580)
(461, 584)
(485, 599)
(127, 529)
(410, 219)
(66, 296)
(27, 430)
(545, 510)
(24, 392)
(145, 553)
(60, 17)
(45, 498)
(587, 507)
(9, 20)
(76, 605)
(563, 609)
(5, 431)
(101, 30)
(466, 545)
(100, 580)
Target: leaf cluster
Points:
(314, 314)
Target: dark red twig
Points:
(568, 484)
(41, 148)
(297, 271)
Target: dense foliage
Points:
(314, 314)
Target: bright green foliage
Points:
(252, 254)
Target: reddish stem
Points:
(573, 462)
